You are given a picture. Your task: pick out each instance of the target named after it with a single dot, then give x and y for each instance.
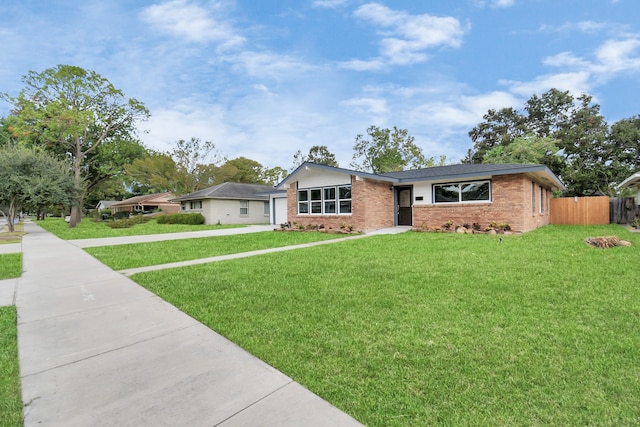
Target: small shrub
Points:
(121, 215)
(636, 222)
(127, 222)
(476, 226)
(448, 226)
(181, 218)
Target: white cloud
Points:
(370, 106)
(266, 64)
(495, 4)
(502, 3)
(618, 56)
(375, 64)
(566, 59)
(581, 75)
(192, 22)
(575, 82)
(329, 4)
(405, 37)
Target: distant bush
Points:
(127, 222)
(180, 218)
(121, 215)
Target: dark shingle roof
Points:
(229, 190)
(461, 170)
(140, 199)
(450, 172)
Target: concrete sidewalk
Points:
(110, 241)
(96, 349)
(10, 248)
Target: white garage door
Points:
(280, 213)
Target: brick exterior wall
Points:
(511, 204)
(371, 207)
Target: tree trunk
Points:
(13, 207)
(76, 209)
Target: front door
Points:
(403, 206)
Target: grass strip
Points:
(10, 397)
(10, 265)
(439, 329)
(90, 229)
(135, 255)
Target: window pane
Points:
(330, 207)
(344, 193)
(446, 193)
(266, 208)
(475, 191)
(303, 195)
(316, 194)
(303, 207)
(345, 206)
(330, 193)
(316, 207)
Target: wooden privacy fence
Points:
(580, 210)
(623, 210)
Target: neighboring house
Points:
(105, 204)
(230, 203)
(632, 182)
(147, 203)
(514, 194)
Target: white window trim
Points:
(322, 200)
(459, 184)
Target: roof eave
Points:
(350, 172)
(630, 182)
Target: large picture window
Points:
(325, 200)
(462, 192)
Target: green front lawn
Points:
(10, 397)
(10, 265)
(90, 229)
(439, 329)
(121, 257)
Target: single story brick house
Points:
(147, 203)
(514, 194)
(229, 203)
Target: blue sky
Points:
(265, 78)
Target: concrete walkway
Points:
(96, 349)
(109, 241)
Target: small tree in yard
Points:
(32, 179)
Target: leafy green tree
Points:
(197, 164)
(624, 148)
(274, 175)
(388, 150)
(106, 169)
(584, 148)
(576, 126)
(32, 179)
(72, 112)
(498, 129)
(524, 149)
(6, 137)
(319, 154)
(244, 170)
(155, 173)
